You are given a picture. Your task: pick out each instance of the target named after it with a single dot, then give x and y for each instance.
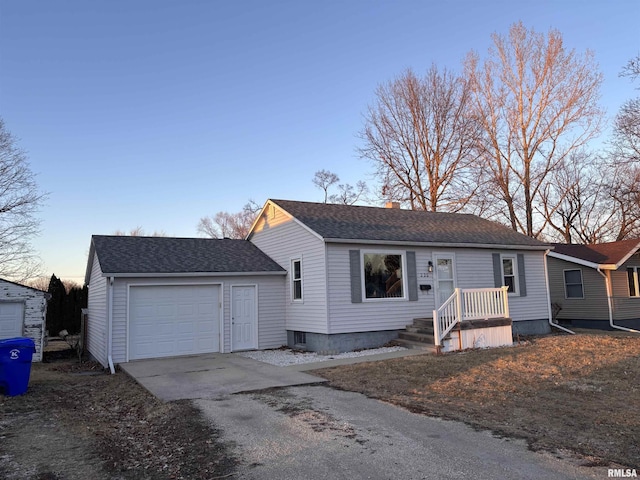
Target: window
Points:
(296, 279)
(383, 275)
(299, 338)
(632, 274)
(573, 284)
(510, 273)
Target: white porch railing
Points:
(469, 304)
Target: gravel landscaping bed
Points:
(283, 357)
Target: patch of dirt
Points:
(562, 393)
(76, 421)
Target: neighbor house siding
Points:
(271, 331)
(97, 307)
(594, 305)
(35, 307)
(625, 307)
(283, 239)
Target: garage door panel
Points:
(173, 320)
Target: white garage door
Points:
(11, 317)
(166, 321)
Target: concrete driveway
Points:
(211, 376)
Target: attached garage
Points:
(170, 320)
(154, 297)
(22, 313)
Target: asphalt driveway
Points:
(318, 433)
(286, 424)
(211, 376)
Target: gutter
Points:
(110, 325)
(607, 285)
(546, 282)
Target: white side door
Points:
(244, 318)
(445, 276)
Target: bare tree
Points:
(536, 103)
(39, 283)
(139, 232)
(20, 200)
(324, 179)
(348, 194)
(626, 138)
(229, 225)
(421, 139)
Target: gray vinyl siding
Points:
(390, 314)
(97, 307)
(625, 307)
(283, 239)
(473, 269)
(271, 330)
(594, 305)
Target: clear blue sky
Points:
(157, 113)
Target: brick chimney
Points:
(392, 205)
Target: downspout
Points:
(110, 325)
(546, 282)
(607, 285)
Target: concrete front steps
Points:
(418, 335)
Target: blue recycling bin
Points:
(15, 365)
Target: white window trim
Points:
(293, 280)
(636, 281)
(516, 277)
(403, 257)
(564, 281)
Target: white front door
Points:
(445, 276)
(11, 319)
(244, 318)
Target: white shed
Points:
(22, 313)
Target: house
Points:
(596, 286)
(22, 314)
(318, 276)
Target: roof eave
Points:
(627, 256)
(494, 246)
(191, 274)
(578, 261)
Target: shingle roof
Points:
(611, 253)
(167, 255)
(344, 222)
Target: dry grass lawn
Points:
(561, 393)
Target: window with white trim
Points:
(296, 279)
(634, 285)
(382, 275)
(510, 273)
(573, 284)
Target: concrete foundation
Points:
(531, 327)
(340, 342)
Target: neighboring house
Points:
(596, 286)
(22, 313)
(156, 297)
(317, 276)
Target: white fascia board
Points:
(578, 261)
(253, 225)
(193, 274)
(438, 244)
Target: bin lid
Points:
(17, 342)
